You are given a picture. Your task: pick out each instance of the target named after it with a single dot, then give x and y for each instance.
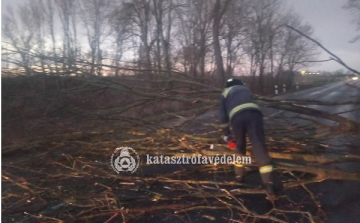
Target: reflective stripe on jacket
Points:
(233, 100)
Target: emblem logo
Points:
(125, 159)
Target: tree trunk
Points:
(218, 13)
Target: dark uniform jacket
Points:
(234, 100)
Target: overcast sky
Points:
(332, 27)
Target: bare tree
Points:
(218, 12)
(234, 28)
(262, 22)
(121, 32)
(19, 29)
(301, 52)
(67, 14)
(291, 49)
(49, 13)
(93, 14)
(163, 9)
(37, 10)
(142, 11)
(139, 17)
(203, 15)
(354, 7)
(162, 34)
(194, 34)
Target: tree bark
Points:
(217, 15)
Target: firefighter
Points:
(238, 109)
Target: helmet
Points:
(233, 81)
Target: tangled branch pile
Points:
(62, 131)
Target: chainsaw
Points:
(230, 141)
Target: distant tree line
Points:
(218, 38)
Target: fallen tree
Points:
(71, 166)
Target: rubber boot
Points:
(268, 185)
(267, 178)
(239, 173)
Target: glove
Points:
(230, 141)
(228, 138)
